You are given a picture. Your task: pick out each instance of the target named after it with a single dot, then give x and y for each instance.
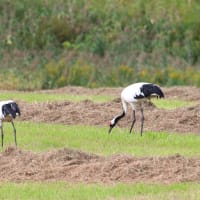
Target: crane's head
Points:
(112, 124)
(114, 121)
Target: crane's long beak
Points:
(110, 129)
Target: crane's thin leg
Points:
(133, 122)
(14, 132)
(2, 135)
(142, 121)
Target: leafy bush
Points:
(81, 74)
(56, 74)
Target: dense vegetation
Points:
(47, 43)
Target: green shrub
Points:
(56, 74)
(81, 74)
(9, 81)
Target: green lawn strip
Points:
(43, 137)
(60, 190)
(171, 104)
(44, 97)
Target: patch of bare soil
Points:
(183, 120)
(76, 166)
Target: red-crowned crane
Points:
(8, 111)
(135, 95)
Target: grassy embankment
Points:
(48, 44)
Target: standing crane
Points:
(135, 95)
(8, 111)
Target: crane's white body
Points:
(129, 93)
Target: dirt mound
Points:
(75, 90)
(77, 166)
(183, 120)
(184, 93)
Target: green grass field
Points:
(41, 137)
(60, 190)
(171, 104)
(31, 97)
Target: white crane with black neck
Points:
(135, 95)
(8, 112)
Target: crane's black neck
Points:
(117, 118)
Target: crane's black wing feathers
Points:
(147, 90)
(10, 109)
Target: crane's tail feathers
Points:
(158, 91)
(11, 109)
(15, 108)
(150, 89)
